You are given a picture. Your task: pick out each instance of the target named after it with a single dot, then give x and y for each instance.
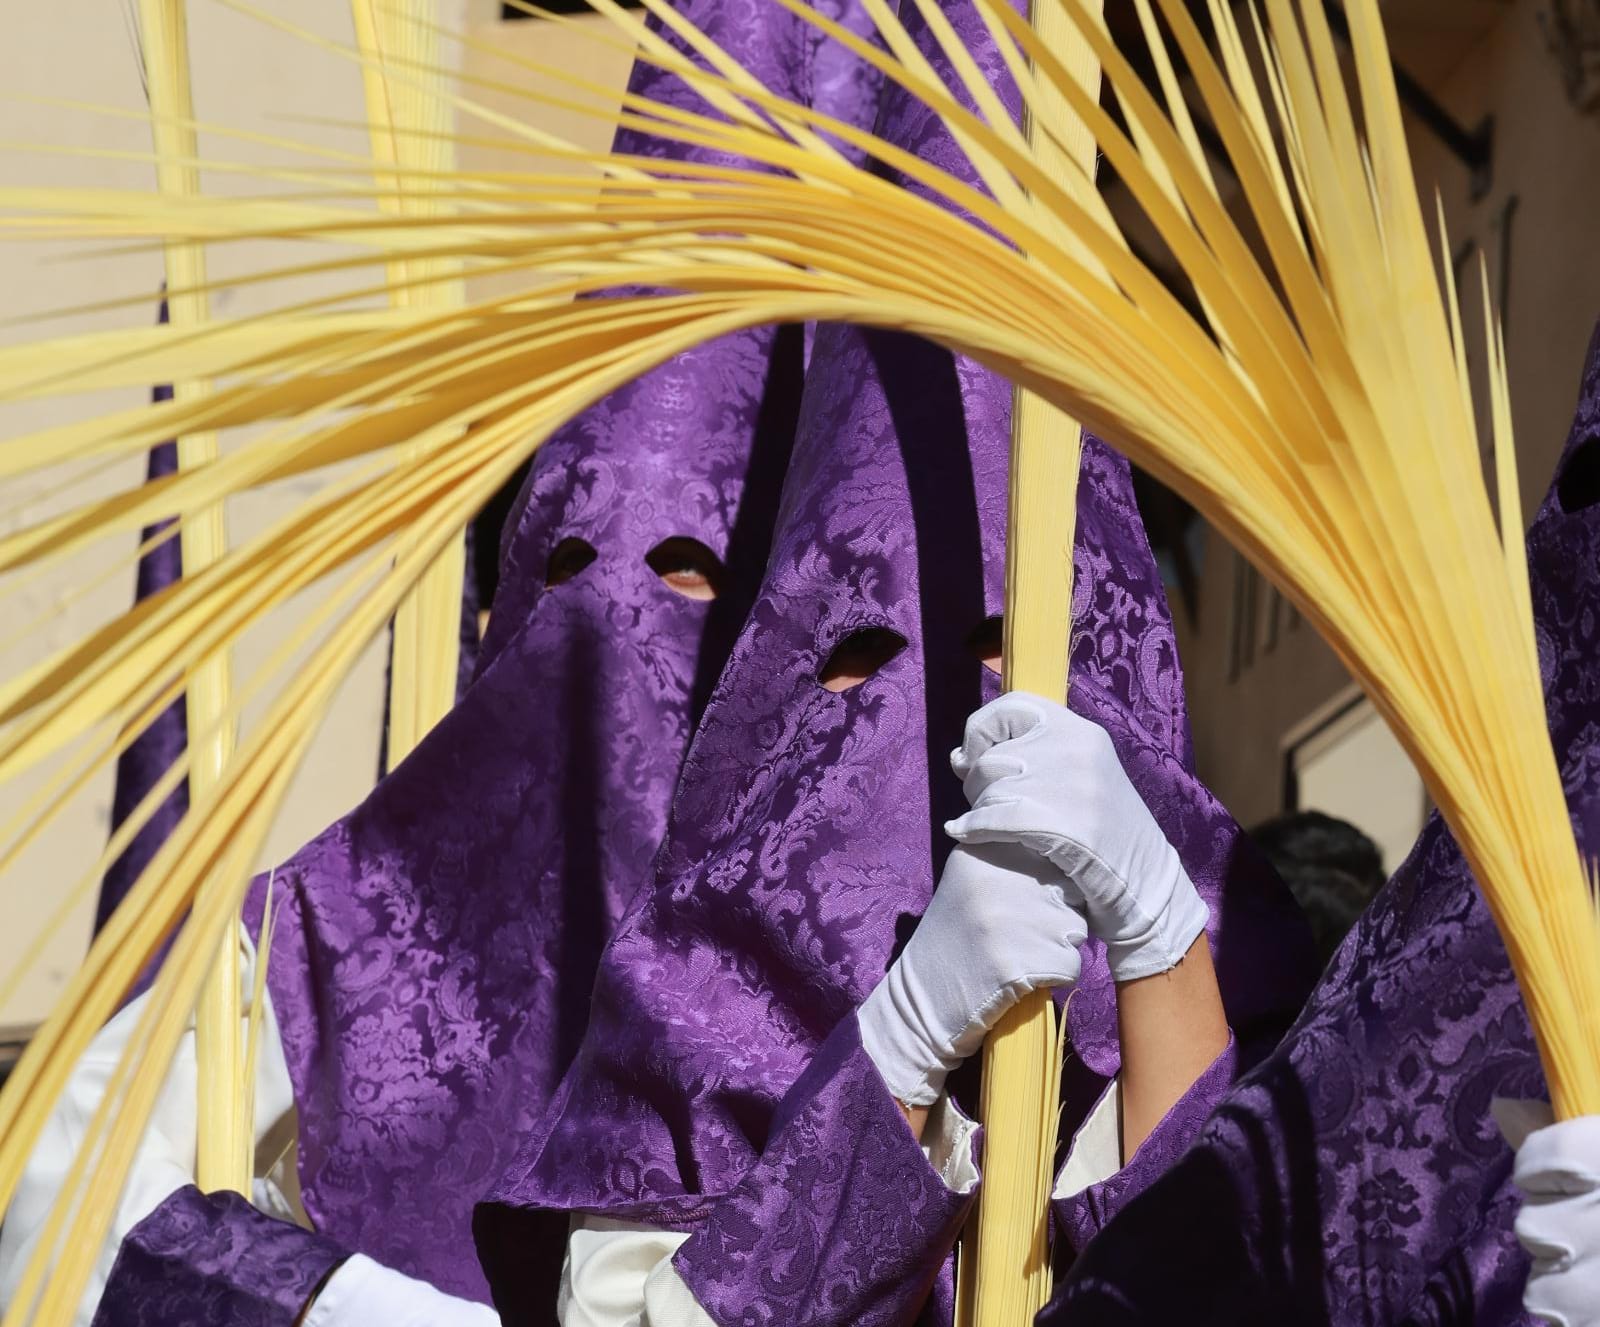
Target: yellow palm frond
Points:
(1314, 410)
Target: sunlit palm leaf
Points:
(1315, 411)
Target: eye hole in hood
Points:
(686, 567)
(1580, 477)
(987, 641)
(858, 656)
(567, 559)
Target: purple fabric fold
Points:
(200, 1261)
(1078, 1217)
(1356, 1175)
(841, 1221)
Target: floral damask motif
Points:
(214, 1259)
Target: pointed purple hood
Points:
(804, 839)
(435, 948)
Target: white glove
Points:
(1558, 1171)
(1041, 776)
(999, 926)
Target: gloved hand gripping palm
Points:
(1057, 846)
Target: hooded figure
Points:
(814, 813)
(722, 1090)
(1357, 1175)
(433, 951)
(434, 979)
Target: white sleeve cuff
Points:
(947, 1143)
(668, 1301)
(1096, 1151)
(362, 1292)
(607, 1265)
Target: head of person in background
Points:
(1331, 867)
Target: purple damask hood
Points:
(435, 948)
(805, 835)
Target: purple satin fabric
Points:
(1356, 1176)
(151, 754)
(840, 1221)
(214, 1259)
(804, 838)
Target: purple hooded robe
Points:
(434, 949)
(805, 844)
(721, 1088)
(1356, 1176)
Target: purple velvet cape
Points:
(721, 1088)
(1356, 1175)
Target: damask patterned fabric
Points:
(804, 841)
(840, 1221)
(1356, 1175)
(214, 1259)
(435, 948)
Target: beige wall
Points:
(255, 78)
(1481, 58)
(1547, 157)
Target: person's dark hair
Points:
(1330, 866)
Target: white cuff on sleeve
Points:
(947, 1143)
(1096, 1151)
(608, 1263)
(362, 1292)
(668, 1302)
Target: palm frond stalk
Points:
(410, 126)
(1007, 1244)
(1315, 409)
(223, 1157)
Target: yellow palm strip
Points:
(222, 1159)
(1299, 441)
(1004, 1274)
(409, 121)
